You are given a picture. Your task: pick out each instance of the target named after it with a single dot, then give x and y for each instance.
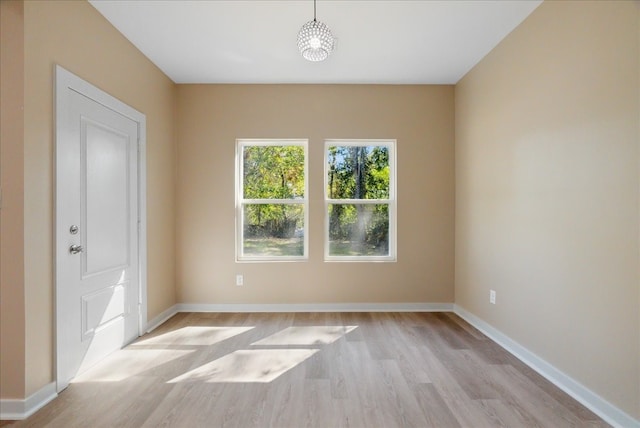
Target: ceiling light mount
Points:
(315, 40)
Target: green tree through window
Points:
(272, 199)
(359, 196)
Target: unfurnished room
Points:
(320, 213)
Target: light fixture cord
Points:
(314, 10)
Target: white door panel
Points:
(106, 197)
(98, 290)
(103, 307)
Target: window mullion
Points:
(273, 201)
(359, 201)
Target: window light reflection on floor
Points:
(260, 365)
(310, 335)
(126, 363)
(249, 365)
(195, 336)
(148, 353)
(265, 365)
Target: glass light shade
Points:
(315, 41)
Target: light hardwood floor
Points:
(313, 370)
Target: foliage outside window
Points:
(272, 206)
(360, 203)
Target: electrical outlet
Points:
(239, 280)
(492, 297)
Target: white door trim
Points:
(65, 80)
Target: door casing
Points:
(64, 81)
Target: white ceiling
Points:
(254, 41)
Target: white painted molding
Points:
(160, 319)
(316, 307)
(15, 410)
(296, 307)
(598, 405)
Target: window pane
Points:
(273, 230)
(358, 230)
(358, 172)
(273, 172)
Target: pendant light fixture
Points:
(315, 40)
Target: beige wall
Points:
(11, 214)
(74, 35)
(547, 167)
(212, 117)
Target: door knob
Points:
(75, 249)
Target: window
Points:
(272, 205)
(360, 204)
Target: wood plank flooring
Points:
(313, 370)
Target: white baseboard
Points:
(296, 307)
(316, 307)
(15, 410)
(598, 405)
(160, 319)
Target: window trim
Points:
(241, 201)
(391, 201)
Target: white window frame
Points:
(392, 201)
(241, 201)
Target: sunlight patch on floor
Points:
(125, 363)
(194, 336)
(306, 336)
(263, 365)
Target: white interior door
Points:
(98, 293)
